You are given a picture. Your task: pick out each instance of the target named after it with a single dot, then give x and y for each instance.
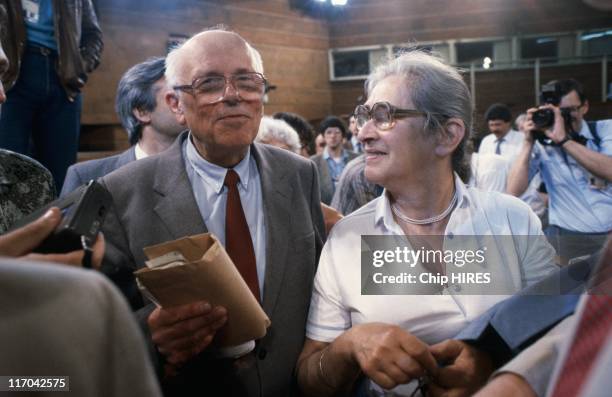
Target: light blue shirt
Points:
(335, 167)
(211, 196)
(574, 203)
(38, 17)
(357, 146)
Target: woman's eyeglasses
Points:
(384, 115)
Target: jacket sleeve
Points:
(316, 212)
(72, 181)
(91, 37)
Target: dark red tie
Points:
(238, 241)
(593, 330)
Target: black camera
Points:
(545, 118)
(83, 212)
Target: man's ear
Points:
(175, 106)
(454, 131)
(142, 115)
(585, 107)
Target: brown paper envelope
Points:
(210, 275)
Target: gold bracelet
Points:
(321, 374)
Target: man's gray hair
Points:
(136, 91)
(436, 89)
(175, 58)
(278, 130)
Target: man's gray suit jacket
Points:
(154, 203)
(325, 181)
(81, 173)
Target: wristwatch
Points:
(563, 141)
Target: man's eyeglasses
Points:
(211, 89)
(384, 115)
(572, 109)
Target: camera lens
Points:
(543, 118)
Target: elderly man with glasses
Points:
(260, 201)
(369, 335)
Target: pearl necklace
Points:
(426, 221)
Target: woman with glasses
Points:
(370, 330)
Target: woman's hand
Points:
(465, 369)
(388, 355)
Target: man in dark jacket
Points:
(51, 46)
(143, 112)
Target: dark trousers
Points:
(38, 119)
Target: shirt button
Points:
(262, 353)
(450, 235)
(457, 288)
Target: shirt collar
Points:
(139, 152)
(212, 174)
(509, 137)
(383, 214)
(326, 154)
(585, 131)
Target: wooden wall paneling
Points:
(293, 47)
(371, 22)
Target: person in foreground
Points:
(260, 201)
(413, 127)
(68, 322)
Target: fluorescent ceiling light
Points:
(596, 35)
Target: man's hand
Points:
(21, 242)
(558, 132)
(529, 127)
(182, 332)
(507, 385)
(389, 355)
(465, 370)
(330, 216)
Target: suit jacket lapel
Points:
(276, 192)
(173, 199)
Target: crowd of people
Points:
(294, 208)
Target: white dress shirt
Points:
(542, 362)
(337, 302)
(211, 196)
(139, 153)
(510, 148)
(489, 172)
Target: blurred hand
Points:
(529, 126)
(389, 355)
(465, 369)
(21, 242)
(182, 332)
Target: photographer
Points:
(575, 161)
